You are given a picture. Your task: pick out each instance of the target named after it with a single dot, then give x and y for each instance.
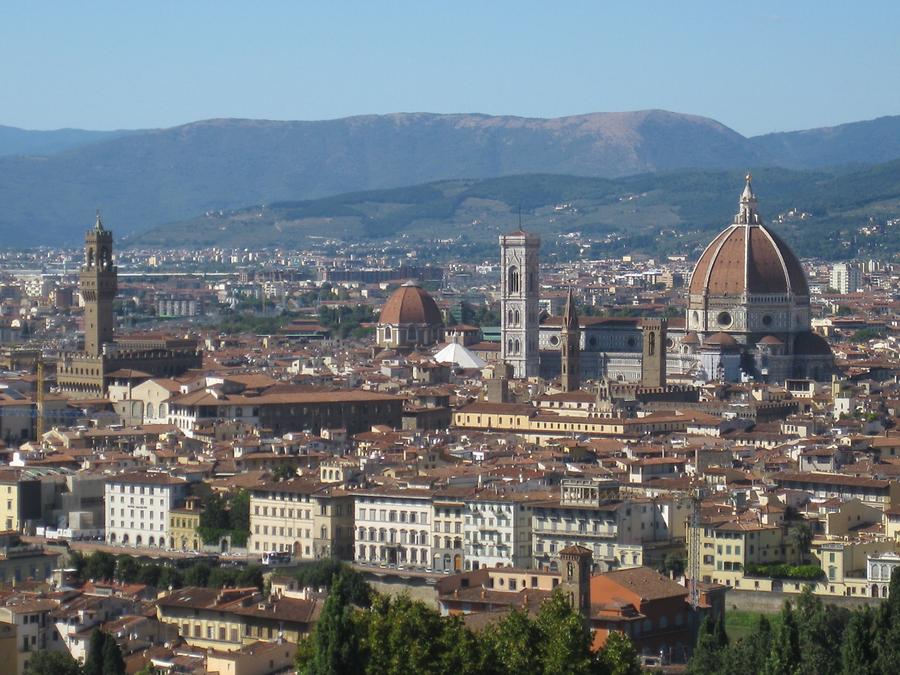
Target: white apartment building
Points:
(393, 527)
(138, 505)
(846, 277)
(497, 530)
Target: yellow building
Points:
(259, 658)
(306, 517)
(20, 499)
(229, 619)
(726, 547)
(183, 524)
(537, 425)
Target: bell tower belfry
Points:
(575, 563)
(98, 284)
(519, 295)
(570, 347)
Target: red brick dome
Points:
(748, 257)
(410, 304)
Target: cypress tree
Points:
(113, 663)
(335, 640)
(858, 649)
(784, 655)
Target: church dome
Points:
(410, 304)
(721, 341)
(747, 257)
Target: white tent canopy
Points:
(460, 357)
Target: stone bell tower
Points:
(653, 353)
(519, 295)
(98, 284)
(575, 564)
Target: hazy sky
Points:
(755, 66)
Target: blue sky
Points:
(754, 66)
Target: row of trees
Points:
(396, 636)
(128, 569)
(809, 639)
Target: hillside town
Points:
(663, 440)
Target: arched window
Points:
(512, 284)
(509, 346)
(651, 344)
(387, 332)
(509, 317)
(517, 317)
(518, 347)
(150, 410)
(90, 257)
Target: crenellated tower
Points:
(98, 283)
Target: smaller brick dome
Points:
(410, 304)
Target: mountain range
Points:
(51, 182)
(821, 213)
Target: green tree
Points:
(800, 537)
(336, 638)
(169, 577)
(149, 574)
(319, 574)
(719, 633)
(565, 640)
(93, 662)
(127, 568)
(708, 654)
(113, 663)
(886, 628)
(784, 655)
(512, 643)
(51, 663)
(197, 574)
(403, 636)
(100, 565)
(461, 651)
(820, 633)
(239, 511)
(618, 656)
(858, 648)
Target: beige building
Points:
(20, 499)
(306, 517)
(259, 658)
(230, 619)
(447, 528)
(183, 524)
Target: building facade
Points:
(138, 508)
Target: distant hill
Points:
(871, 142)
(145, 178)
(655, 213)
(14, 141)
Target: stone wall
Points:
(771, 602)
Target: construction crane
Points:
(696, 499)
(40, 412)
